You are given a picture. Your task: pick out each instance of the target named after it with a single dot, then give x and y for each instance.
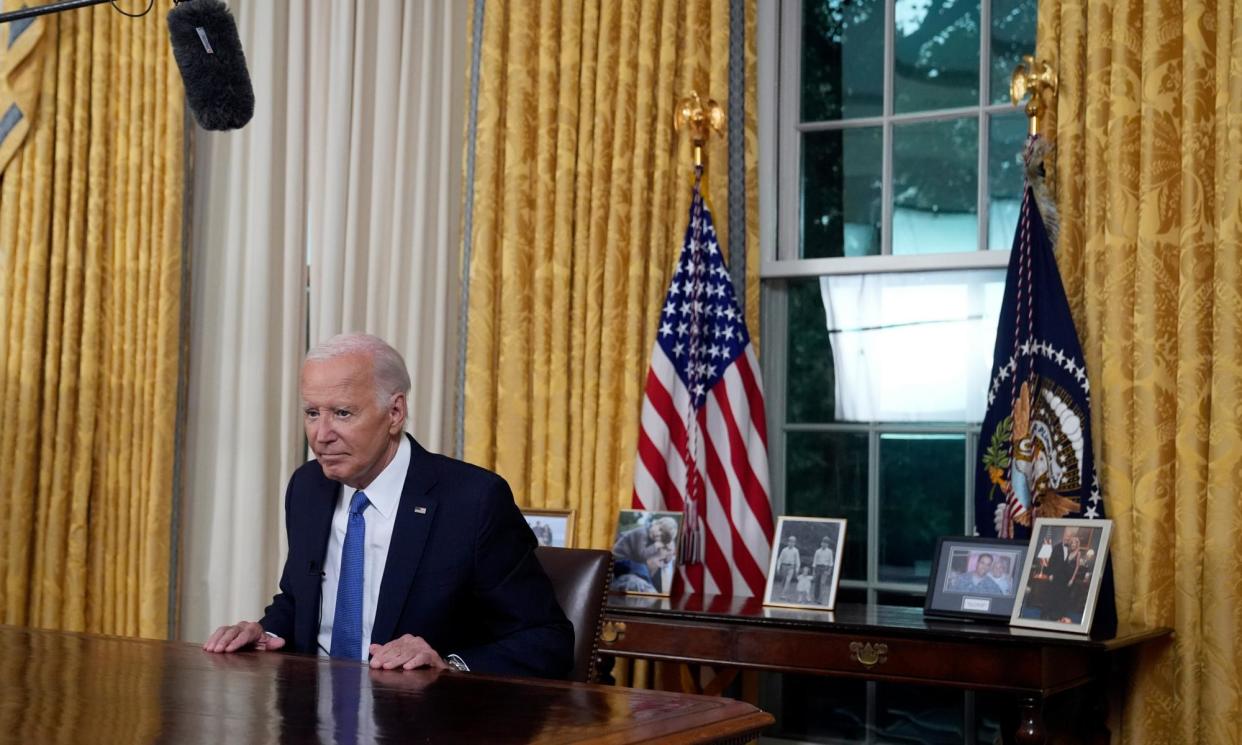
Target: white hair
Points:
(390, 374)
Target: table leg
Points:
(692, 679)
(1097, 704)
(1030, 721)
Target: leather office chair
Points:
(580, 579)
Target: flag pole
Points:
(700, 118)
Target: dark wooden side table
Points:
(873, 642)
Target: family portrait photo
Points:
(645, 551)
(975, 578)
(551, 527)
(1061, 578)
(806, 562)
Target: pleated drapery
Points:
(385, 187)
(580, 195)
(1149, 183)
(90, 312)
(247, 330)
(336, 209)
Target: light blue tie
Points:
(347, 623)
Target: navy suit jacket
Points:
(461, 571)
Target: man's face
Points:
(352, 436)
(983, 565)
(999, 569)
(1069, 536)
(792, 541)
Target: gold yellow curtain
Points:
(90, 303)
(1149, 179)
(580, 198)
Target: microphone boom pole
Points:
(42, 10)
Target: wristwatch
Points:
(457, 663)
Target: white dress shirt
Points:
(384, 494)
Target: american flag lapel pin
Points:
(420, 510)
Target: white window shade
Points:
(912, 346)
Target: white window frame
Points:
(780, 53)
(779, 45)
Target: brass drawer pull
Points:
(613, 631)
(868, 654)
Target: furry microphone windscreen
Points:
(213, 67)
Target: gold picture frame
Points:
(549, 524)
(645, 551)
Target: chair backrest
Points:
(580, 579)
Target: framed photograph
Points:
(1061, 575)
(551, 527)
(975, 578)
(645, 552)
(806, 563)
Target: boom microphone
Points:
(213, 68)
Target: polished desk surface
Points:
(890, 620)
(59, 687)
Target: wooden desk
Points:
(59, 687)
(887, 643)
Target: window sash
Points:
(780, 41)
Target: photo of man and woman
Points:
(1062, 576)
(645, 551)
(806, 563)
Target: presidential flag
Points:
(1035, 456)
(702, 444)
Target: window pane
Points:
(908, 346)
(1006, 141)
(810, 383)
(1013, 35)
(817, 709)
(922, 714)
(922, 497)
(903, 599)
(935, 186)
(826, 476)
(842, 59)
(841, 181)
(937, 54)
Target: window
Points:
(888, 215)
(886, 218)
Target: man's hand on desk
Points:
(241, 635)
(406, 652)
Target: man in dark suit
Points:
(397, 555)
(1060, 571)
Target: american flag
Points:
(702, 445)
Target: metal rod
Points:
(42, 10)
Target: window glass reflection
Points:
(842, 59)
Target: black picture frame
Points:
(955, 589)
